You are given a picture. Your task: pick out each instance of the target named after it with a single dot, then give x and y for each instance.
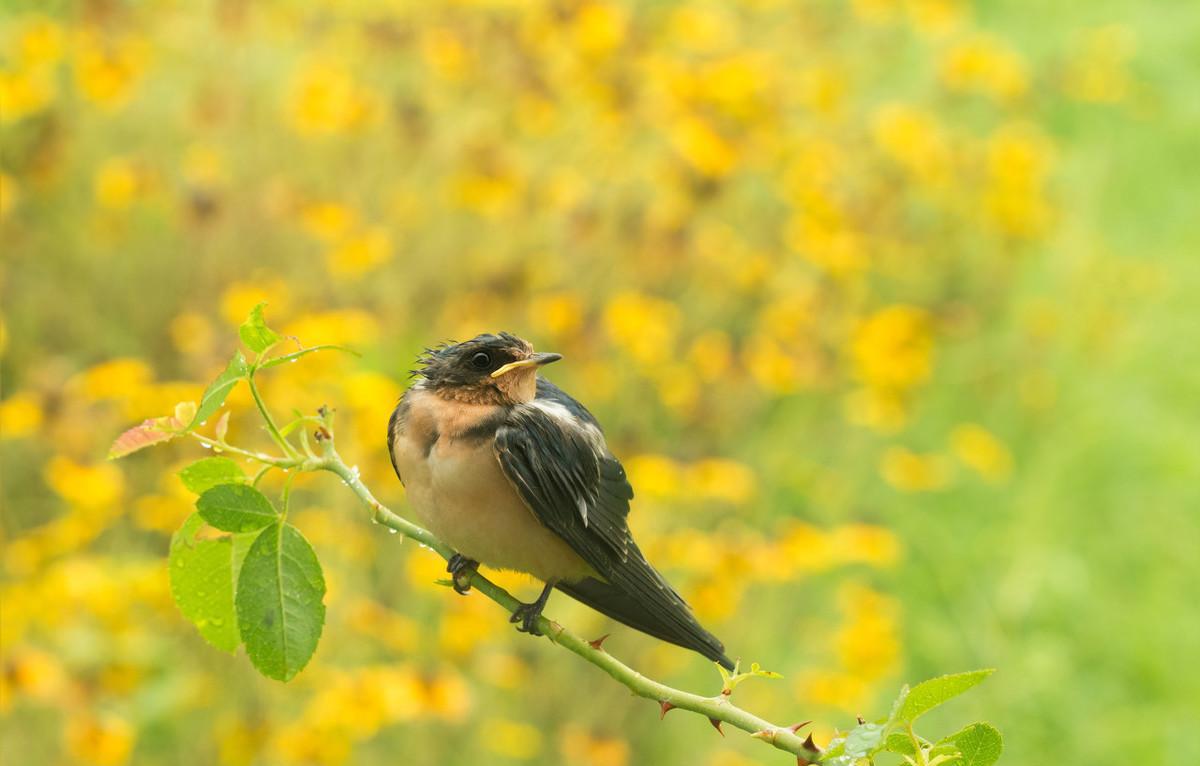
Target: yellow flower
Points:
(893, 348)
(914, 139)
(360, 254)
(654, 475)
(87, 486)
(108, 69)
(240, 297)
(911, 472)
(725, 480)
(24, 92)
(117, 183)
(711, 355)
(34, 673)
(643, 326)
(702, 28)
(328, 221)
(881, 409)
(511, 739)
(9, 192)
(192, 334)
(582, 748)
(984, 65)
(867, 642)
(702, 147)
(325, 99)
(349, 327)
(114, 379)
(982, 452)
(445, 53)
(103, 740)
(935, 18)
(1019, 160)
(41, 41)
(20, 415)
(834, 688)
(557, 314)
(599, 27)
(203, 166)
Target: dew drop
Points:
(205, 446)
(392, 531)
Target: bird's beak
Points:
(534, 360)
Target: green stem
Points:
(283, 443)
(259, 457)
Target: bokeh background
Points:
(888, 305)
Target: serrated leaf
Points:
(979, 744)
(927, 695)
(279, 602)
(146, 434)
(214, 395)
(203, 576)
(236, 508)
(255, 333)
(204, 474)
(861, 741)
(305, 352)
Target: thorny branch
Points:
(717, 709)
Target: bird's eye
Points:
(481, 361)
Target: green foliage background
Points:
(889, 307)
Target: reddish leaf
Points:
(149, 433)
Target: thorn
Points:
(766, 735)
(802, 761)
(727, 691)
(798, 726)
(860, 720)
(666, 706)
(810, 745)
(716, 725)
(596, 642)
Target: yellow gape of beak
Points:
(534, 360)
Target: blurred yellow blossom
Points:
(204, 166)
(117, 183)
(912, 472)
(114, 379)
(913, 138)
(654, 475)
(643, 326)
(725, 480)
(985, 65)
(88, 486)
(103, 740)
(881, 409)
(557, 314)
(511, 739)
(108, 69)
(326, 99)
(10, 192)
(192, 334)
(445, 53)
(583, 748)
(24, 92)
(599, 27)
(1019, 159)
(240, 297)
(982, 452)
(41, 41)
(350, 327)
(711, 355)
(20, 415)
(328, 221)
(893, 348)
(703, 147)
(360, 254)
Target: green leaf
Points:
(146, 434)
(305, 352)
(979, 744)
(214, 395)
(279, 602)
(899, 742)
(861, 741)
(927, 695)
(255, 333)
(203, 575)
(209, 472)
(236, 508)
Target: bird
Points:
(514, 473)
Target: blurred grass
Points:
(857, 342)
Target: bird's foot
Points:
(461, 568)
(527, 615)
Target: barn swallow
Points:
(514, 473)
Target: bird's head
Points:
(488, 369)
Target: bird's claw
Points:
(461, 568)
(526, 616)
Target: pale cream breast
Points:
(457, 489)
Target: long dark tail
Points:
(653, 608)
